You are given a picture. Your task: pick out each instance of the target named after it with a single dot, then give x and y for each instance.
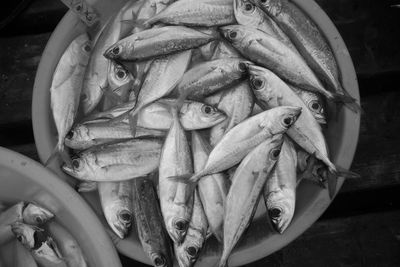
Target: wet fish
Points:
(34, 214)
(242, 138)
(42, 247)
(209, 77)
(244, 194)
(189, 250)
(66, 88)
(196, 13)
(176, 199)
(280, 188)
(225, 50)
(271, 53)
(86, 186)
(212, 189)
(309, 40)
(270, 92)
(116, 202)
(117, 161)
(237, 103)
(68, 246)
(149, 223)
(22, 257)
(313, 102)
(147, 11)
(156, 42)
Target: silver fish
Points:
(86, 186)
(280, 188)
(189, 250)
(176, 199)
(66, 87)
(196, 13)
(269, 52)
(237, 103)
(225, 50)
(116, 202)
(271, 92)
(68, 246)
(156, 42)
(35, 215)
(117, 161)
(212, 189)
(242, 138)
(309, 40)
(149, 223)
(313, 102)
(149, 9)
(42, 247)
(244, 194)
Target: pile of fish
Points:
(41, 242)
(181, 114)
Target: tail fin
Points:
(59, 151)
(347, 100)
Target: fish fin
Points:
(59, 151)
(347, 174)
(112, 96)
(185, 178)
(332, 178)
(148, 22)
(347, 100)
(133, 120)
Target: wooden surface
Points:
(362, 225)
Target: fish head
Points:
(79, 137)
(177, 228)
(92, 91)
(233, 33)
(160, 260)
(81, 48)
(25, 234)
(315, 105)
(280, 119)
(271, 7)
(118, 75)
(246, 12)
(240, 67)
(119, 50)
(201, 115)
(79, 168)
(120, 219)
(280, 207)
(188, 252)
(36, 215)
(259, 77)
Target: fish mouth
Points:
(320, 118)
(113, 52)
(281, 213)
(120, 230)
(255, 70)
(68, 169)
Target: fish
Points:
(310, 42)
(22, 257)
(86, 135)
(212, 189)
(242, 138)
(196, 13)
(248, 14)
(157, 42)
(237, 103)
(116, 202)
(280, 189)
(176, 199)
(314, 103)
(189, 250)
(22, 212)
(149, 223)
(209, 77)
(67, 244)
(148, 10)
(271, 92)
(86, 186)
(256, 109)
(116, 162)
(271, 53)
(96, 76)
(247, 185)
(225, 50)
(65, 89)
(42, 247)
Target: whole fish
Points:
(313, 102)
(196, 13)
(156, 42)
(309, 41)
(244, 194)
(242, 138)
(237, 103)
(176, 199)
(212, 189)
(271, 92)
(225, 50)
(116, 202)
(86, 135)
(22, 257)
(66, 88)
(117, 161)
(280, 188)
(248, 14)
(149, 223)
(189, 250)
(42, 247)
(96, 76)
(209, 77)
(26, 212)
(271, 53)
(68, 246)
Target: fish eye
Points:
(315, 105)
(121, 74)
(275, 154)
(125, 216)
(274, 213)
(180, 225)
(19, 238)
(70, 134)
(39, 220)
(159, 261)
(257, 83)
(288, 121)
(75, 163)
(192, 251)
(85, 97)
(248, 7)
(242, 67)
(116, 50)
(232, 34)
(208, 109)
(87, 48)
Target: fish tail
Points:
(111, 96)
(332, 178)
(59, 150)
(185, 178)
(347, 100)
(347, 174)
